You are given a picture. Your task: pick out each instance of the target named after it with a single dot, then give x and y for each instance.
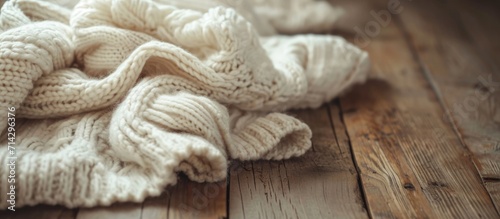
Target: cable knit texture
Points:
(114, 97)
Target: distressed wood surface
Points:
(459, 51)
(118, 210)
(412, 163)
(185, 200)
(321, 184)
(198, 200)
(481, 22)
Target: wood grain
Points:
(407, 169)
(198, 200)
(480, 21)
(493, 188)
(118, 210)
(185, 200)
(321, 184)
(41, 212)
(461, 61)
(157, 207)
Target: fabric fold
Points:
(273, 136)
(114, 98)
(136, 150)
(28, 52)
(259, 78)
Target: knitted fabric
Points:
(114, 97)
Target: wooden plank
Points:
(481, 23)
(407, 170)
(40, 212)
(321, 184)
(118, 210)
(152, 208)
(493, 188)
(185, 200)
(198, 200)
(156, 207)
(461, 63)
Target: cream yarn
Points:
(114, 97)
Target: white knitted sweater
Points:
(114, 97)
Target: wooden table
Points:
(421, 139)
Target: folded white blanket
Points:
(114, 97)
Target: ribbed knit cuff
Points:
(273, 137)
